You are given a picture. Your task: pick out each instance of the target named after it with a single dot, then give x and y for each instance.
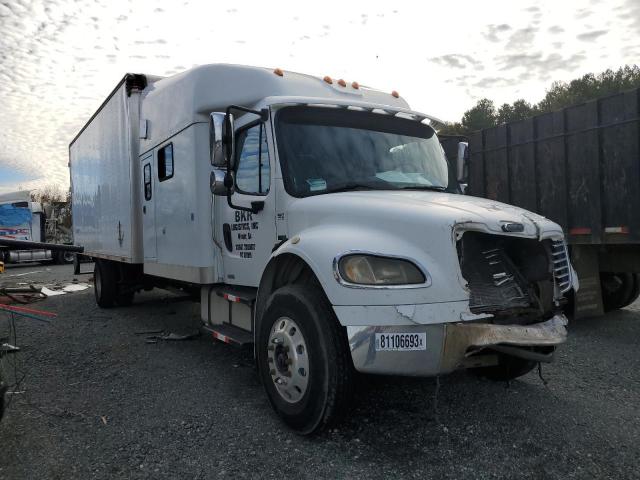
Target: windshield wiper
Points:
(434, 188)
(349, 187)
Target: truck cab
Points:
(319, 222)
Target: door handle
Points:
(144, 209)
(226, 233)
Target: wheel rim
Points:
(288, 360)
(68, 257)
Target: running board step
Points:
(228, 334)
(238, 294)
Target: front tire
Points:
(304, 361)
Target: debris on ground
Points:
(172, 337)
(69, 288)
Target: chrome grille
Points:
(561, 267)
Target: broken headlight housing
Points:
(368, 270)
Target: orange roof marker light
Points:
(395, 94)
(342, 83)
(327, 79)
(355, 85)
(279, 72)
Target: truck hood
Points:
(391, 209)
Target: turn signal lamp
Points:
(342, 83)
(395, 94)
(278, 72)
(327, 79)
(355, 85)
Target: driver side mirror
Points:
(462, 162)
(221, 139)
(216, 152)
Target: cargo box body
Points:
(131, 203)
(105, 177)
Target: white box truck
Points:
(317, 220)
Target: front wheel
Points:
(304, 361)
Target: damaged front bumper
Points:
(447, 346)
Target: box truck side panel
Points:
(105, 180)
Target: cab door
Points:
(249, 238)
(148, 209)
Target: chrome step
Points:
(228, 334)
(238, 294)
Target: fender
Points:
(318, 247)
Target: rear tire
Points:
(618, 290)
(508, 368)
(67, 257)
(105, 283)
(301, 343)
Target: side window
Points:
(252, 169)
(165, 162)
(147, 181)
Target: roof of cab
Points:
(173, 103)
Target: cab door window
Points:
(253, 168)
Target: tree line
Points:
(561, 94)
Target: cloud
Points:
(538, 65)
(555, 29)
(582, 14)
(630, 12)
(522, 39)
(455, 60)
(493, 31)
(591, 36)
(495, 82)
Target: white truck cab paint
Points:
(318, 220)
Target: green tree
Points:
(589, 87)
(482, 115)
(520, 110)
(452, 128)
(558, 96)
(49, 193)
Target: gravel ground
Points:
(99, 402)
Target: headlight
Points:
(366, 269)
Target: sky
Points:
(60, 59)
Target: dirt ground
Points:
(98, 401)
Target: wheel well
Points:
(282, 270)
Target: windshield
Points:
(324, 150)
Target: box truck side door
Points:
(148, 209)
(248, 238)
